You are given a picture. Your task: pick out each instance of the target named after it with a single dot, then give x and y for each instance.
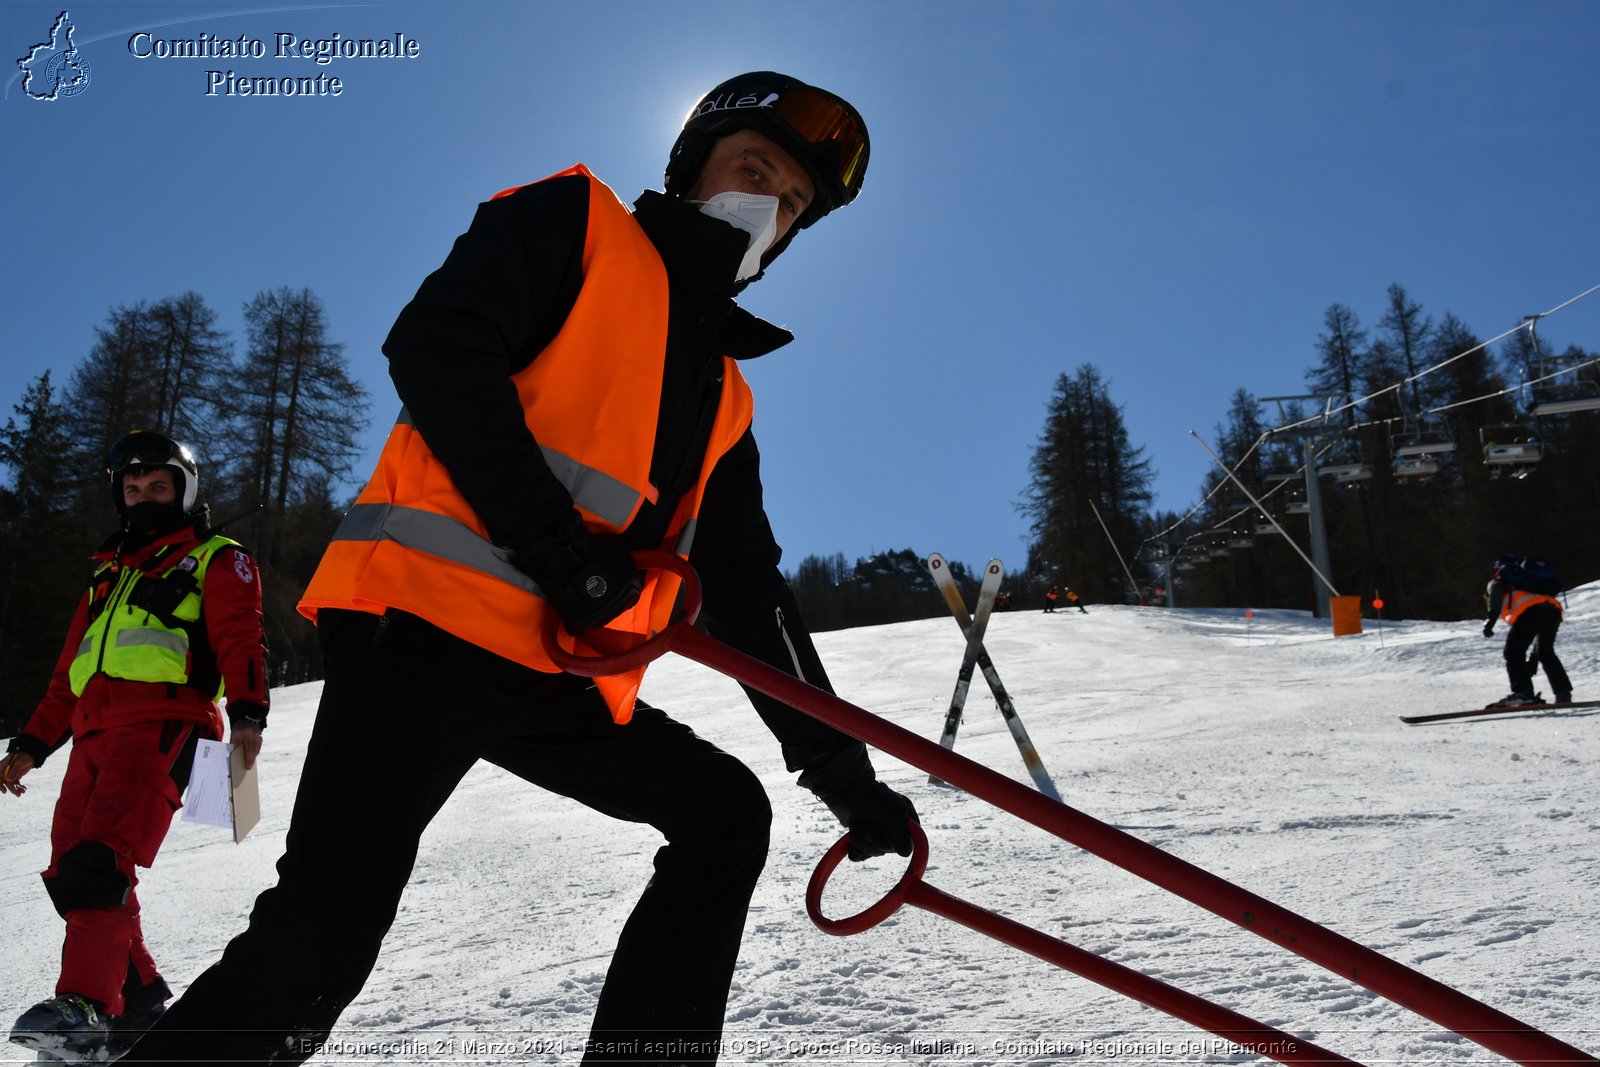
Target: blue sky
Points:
(1173, 191)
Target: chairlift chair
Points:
(1344, 465)
(1417, 450)
(1422, 443)
(1346, 473)
(1564, 407)
(1418, 468)
(1510, 448)
(1568, 383)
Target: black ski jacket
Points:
(498, 300)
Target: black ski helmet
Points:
(823, 133)
(142, 448)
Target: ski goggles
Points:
(144, 449)
(820, 118)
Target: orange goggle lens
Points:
(821, 118)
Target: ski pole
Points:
(1433, 1000)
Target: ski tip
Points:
(935, 561)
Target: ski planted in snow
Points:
(979, 657)
(1500, 710)
(972, 629)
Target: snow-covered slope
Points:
(1260, 748)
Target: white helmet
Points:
(141, 448)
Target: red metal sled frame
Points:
(1431, 999)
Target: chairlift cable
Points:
(1526, 323)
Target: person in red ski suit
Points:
(170, 622)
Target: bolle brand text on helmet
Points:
(730, 101)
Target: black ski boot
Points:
(67, 1026)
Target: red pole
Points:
(1433, 1000)
(1180, 1004)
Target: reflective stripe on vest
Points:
(442, 536)
(129, 642)
(435, 534)
(592, 399)
(1520, 600)
(612, 500)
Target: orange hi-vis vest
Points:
(591, 399)
(1519, 600)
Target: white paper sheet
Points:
(209, 799)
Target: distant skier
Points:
(1075, 600)
(1050, 597)
(1523, 593)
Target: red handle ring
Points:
(872, 916)
(637, 656)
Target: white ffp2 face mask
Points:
(753, 213)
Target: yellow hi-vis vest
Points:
(132, 637)
(592, 400)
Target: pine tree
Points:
(1467, 388)
(1338, 375)
(1240, 445)
(1084, 455)
(109, 395)
(187, 360)
(1406, 334)
(295, 436)
(300, 411)
(153, 367)
(40, 554)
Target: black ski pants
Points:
(1537, 623)
(406, 711)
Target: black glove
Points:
(876, 817)
(1488, 628)
(874, 814)
(589, 580)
